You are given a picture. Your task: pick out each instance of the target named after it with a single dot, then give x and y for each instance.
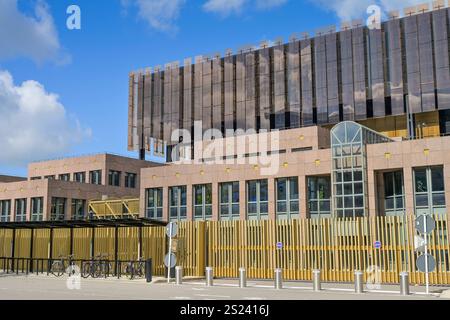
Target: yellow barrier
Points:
(338, 247)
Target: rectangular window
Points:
(429, 191)
(49, 177)
(202, 202)
(114, 178)
(257, 200)
(95, 177)
(79, 177)
(287, 206)
(37, 209)
(229, 201)
(319, 197)
(64, 177)
(154, 207)
(35, 178)
(130, 180)
(177, 203)
(21, 210)
(58, 209)
(78, 209)
(394, 197)
(5, 210)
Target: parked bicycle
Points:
(96, 267)
(59, 267)
(135, 269)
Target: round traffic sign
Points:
(174, 227)
(421, 263)
(425, 224)
(173, 260)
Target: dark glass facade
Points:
(354, 74)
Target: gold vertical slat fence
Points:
(337, 247)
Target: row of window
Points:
(37, 209)
(95, 177)
(57, 211)
(429, 197)
(287, 199)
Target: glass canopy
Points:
(349, 167)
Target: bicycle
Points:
(58, 267)
(96, 267)
(135, 269)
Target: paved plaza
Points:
(44, 287)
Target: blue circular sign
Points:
(377, 244)
(279, 245)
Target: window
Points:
(79, 177)
(154, 209)
(287, 198)
(429, 191)
(58, 209)
(202, 202)
(78, 209)
(394, 198)
(95, 177)
(21, 210)
(49, 177)
(5, 210)
(177, 203)
(319, 197)
(257, 200)
(114, 178)
(130, 180)
(37, 209)
(64, 177)
(229, 201)
(35, 178)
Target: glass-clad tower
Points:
(349, 168)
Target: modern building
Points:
(61, 189)
(360, 118)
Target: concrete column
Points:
(189, 202)
(215, 201)
(68, 209)
(243, 199)
(12, 212)
(447, 186)
(409, 190)
(272, 198)
(303, 196)
(166, 213)
(28, 211)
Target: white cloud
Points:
(33, 123)
(268, 4)
(352, 9)
(159, 14)
(227, 7)
(32, 37)
(224, 7)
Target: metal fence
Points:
(338, 247)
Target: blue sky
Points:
(78, 79)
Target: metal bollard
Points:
(179, 275)
(317, 282)
(404, 284)
(278, 279)
(148, 270)
(359, 282)
(242, 278)
(209, 277)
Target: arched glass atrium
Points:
(349, 168)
